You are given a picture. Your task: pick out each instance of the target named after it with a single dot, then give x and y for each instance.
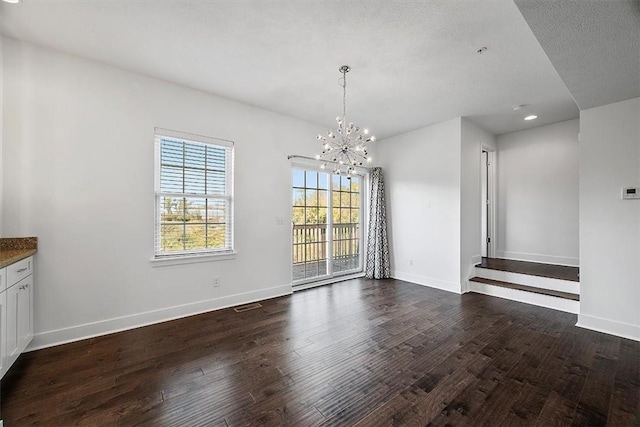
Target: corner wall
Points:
(79, 150)
(538, 194)
(473, 138)
(610, 226)
(1, 134)
(422, 183)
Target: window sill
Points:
(192, 259)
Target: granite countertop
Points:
(14, 249)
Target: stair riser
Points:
(525, 279)
(547, 301)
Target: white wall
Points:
(78, 167)
(538, 194)
(422, 183)
(609, 226)
(473, 138)
(1, 133)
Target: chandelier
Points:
(348, 148)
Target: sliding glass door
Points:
(327, 225)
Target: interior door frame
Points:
(492, 197)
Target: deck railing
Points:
(310, 241)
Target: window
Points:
(327, 225)
(194, 195)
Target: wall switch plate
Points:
(630, 193)
(216, 281)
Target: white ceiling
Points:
(594, 46)
(414, 63)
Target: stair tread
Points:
(552, 271)
(549, 292)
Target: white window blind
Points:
(194, 194)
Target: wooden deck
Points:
(360, 352)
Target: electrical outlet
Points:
(410, 261)
(216, 281)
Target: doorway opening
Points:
(488, 203)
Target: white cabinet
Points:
(17, 311)
(3, 321)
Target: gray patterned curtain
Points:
(377, 248)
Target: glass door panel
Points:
(310, 201)
(345, 197)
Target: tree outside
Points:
(192, 224)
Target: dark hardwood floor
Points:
(358, 352)
(552, 271)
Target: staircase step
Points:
(541, 291)
(560, 272)
(568, 286)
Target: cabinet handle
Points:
(23, 269)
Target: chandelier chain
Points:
(344, 94)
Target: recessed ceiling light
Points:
(531, 117)
(482, 50)
(518, 107)
(11, 1)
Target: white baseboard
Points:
(476, 259)
(612, 327)
(427, 281)
(109, 326)
(544, 259)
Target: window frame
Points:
(199, 254)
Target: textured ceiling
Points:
(414, 63)
(594, 46)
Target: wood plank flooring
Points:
(552, 271)
(360, 352)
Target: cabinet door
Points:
(19, 318)
(13, 340)
(25, 313)
(3, 333)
